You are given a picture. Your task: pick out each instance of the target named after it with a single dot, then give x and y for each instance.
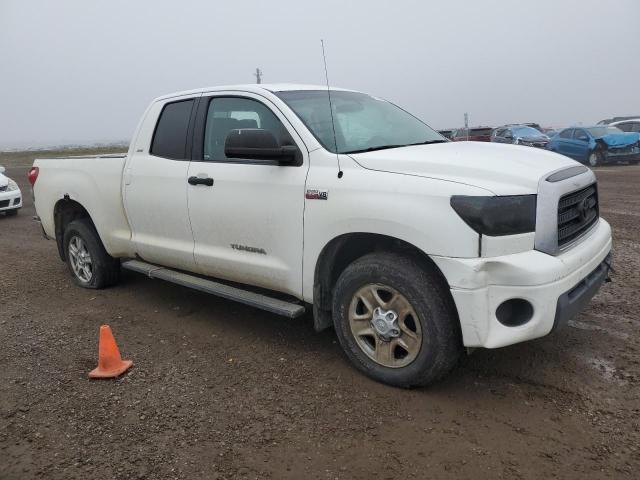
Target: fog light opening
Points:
(514, 312)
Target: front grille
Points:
(4, 203)
(577, 212)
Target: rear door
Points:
(580, 144)
(563, 142)
(248, 221)
(155, 185)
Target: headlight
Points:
(497, 216)
(12, 186)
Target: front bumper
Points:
(480, 285)
(10, 200)
(622, 155)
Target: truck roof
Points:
(254, 88)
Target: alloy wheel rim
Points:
(80, 258)
(593, 159)
(385, 325)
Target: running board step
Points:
(257, 300)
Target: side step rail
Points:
(257, 300)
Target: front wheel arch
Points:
(343, 250)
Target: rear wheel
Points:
(396, 321)
(88, 262)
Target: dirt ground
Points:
(219, 390)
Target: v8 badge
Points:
(316, 194)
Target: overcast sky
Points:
(83, 71)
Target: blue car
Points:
(597, 145)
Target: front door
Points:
(246, 215)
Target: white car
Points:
(629, 125)
(10, 195)
(412, 247)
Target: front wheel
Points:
(88, 262)
(396, 321)
(595, 158)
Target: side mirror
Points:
(1, 169)
(258, 144)
(508, 135)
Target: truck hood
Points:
(502, 169)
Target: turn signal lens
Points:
(32, 176)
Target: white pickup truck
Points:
(287, 198)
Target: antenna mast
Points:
(333, 125)
(258, 75)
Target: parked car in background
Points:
(525, 124)
(597, 145)
(631, 125)
(447, 133)
(10, 195)
(550, 132)
(520, 135)
(475, 134)
(609, 121)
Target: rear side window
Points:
(170, 137)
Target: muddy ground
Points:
(219, 390)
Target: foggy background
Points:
(79, 72)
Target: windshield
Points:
(362, 122)
(526, 132)
(602, 131)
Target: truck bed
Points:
(95, 182)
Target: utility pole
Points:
(466, 124)
(258, 75)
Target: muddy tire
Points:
(396, 320)
(88, 262)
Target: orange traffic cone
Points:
(110, 363)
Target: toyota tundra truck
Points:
(296, 198)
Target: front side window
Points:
(580, 134)
(566, 133)
(230, 113)
(362, 123)
(170, 137)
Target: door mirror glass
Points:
(258, 144)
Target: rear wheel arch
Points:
(66, 211)
(343, 250)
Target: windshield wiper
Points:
(384, 147)
(428, 142)
(373, 149)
